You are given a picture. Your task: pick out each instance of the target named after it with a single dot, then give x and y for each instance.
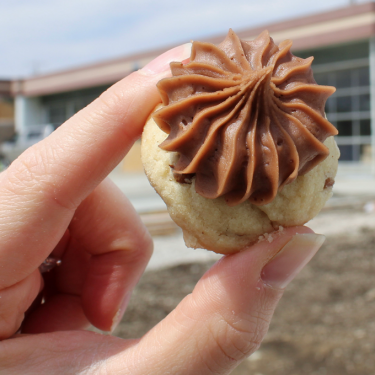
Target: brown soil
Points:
(325, 323)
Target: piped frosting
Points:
(245, 118)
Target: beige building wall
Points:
(6, 119)
(132, 162)
(6, 110)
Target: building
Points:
(6, 111)
(342, 42)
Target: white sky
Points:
(48, 35)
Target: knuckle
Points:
(139, 248)
(121, 102)
(137, 241)
(17, 299)
(135, 244)
(24, 172)
(31, 175)
(111, 100)
(9, 323)
(147, 244)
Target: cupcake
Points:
(240, 146)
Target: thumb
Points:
(228, 314)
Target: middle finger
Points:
(108, 251)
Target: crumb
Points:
(266, 236)
(269, 237)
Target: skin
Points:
(56, 200)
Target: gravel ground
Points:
(323, 325)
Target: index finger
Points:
(42, 188)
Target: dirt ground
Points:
(324, 324)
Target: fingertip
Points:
(291, 259)
(120, 312)
(236, 275)
(161, 63)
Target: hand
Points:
(55, 200)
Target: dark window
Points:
(59, 107)
(365, 127)
(57, 114)
(363, 76)
(364, 102)
(343, 79)
(346, 152)
(344, 104)
(344, 128)
(321, 78)
(331, 54)
(330, 105)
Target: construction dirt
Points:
(324, 324)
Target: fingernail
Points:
(161, 63)
(120, 312)
(290, 260)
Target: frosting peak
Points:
(245, 118)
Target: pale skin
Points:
(56, 201)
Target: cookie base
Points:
(210, 223)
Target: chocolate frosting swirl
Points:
(246, 118)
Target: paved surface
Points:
(354, 180)
(354, 186)
(138, 190)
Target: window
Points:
(345, 128)
(349, 107)
(321, 78)
(343, 79)
(364, 102)
(344, 104)
(363, 76)
(365, 127)
(56, 114)
(60, 107)
(346, 152)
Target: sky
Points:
(42, 36)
